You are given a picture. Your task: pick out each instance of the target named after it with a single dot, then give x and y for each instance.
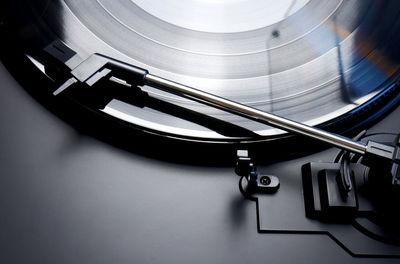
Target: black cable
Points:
(362, 135)
(357, 138)
(345, 157)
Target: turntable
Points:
(130, 119)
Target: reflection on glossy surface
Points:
(324, 59)
(221, 16)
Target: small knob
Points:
(244, 164)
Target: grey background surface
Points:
(68, 198)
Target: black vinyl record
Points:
(330, 63)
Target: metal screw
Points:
(265, 180)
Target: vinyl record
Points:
(312, 61)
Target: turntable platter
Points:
(312, 61)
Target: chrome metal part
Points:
(255, 114)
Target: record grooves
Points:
(299, 98)
(354, 74)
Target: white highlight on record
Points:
(221, 16)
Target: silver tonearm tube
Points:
(255, 114)
(97, 67)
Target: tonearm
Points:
(97, 67)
